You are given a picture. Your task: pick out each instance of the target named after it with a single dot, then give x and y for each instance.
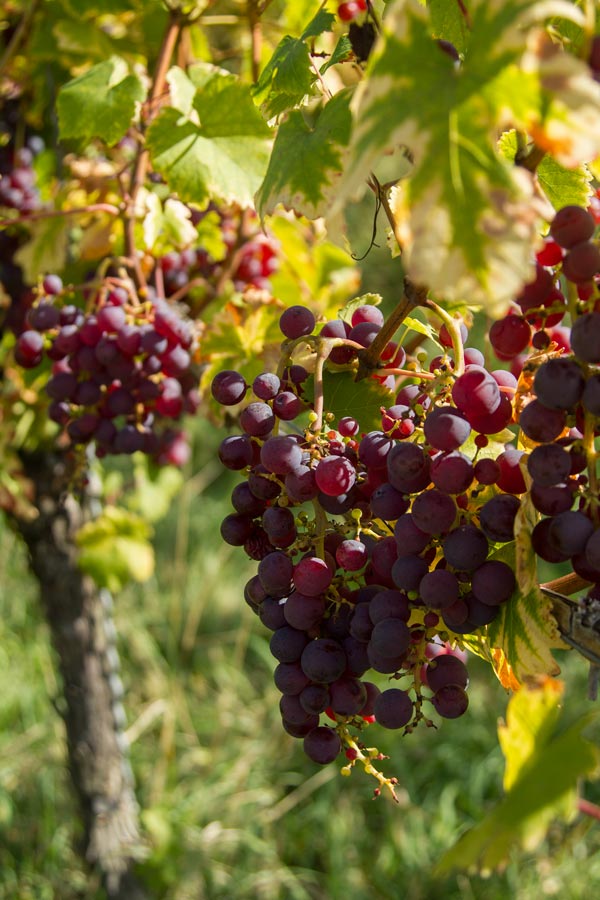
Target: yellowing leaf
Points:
(466, 219)
(542, 771)
(115, 549)
(525, 629)
(568, 125)
(531, 717)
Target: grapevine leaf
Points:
(531, 719)
(222, 155)
(561, 186)
(540, 787)
(323, 21)
(182, 90)
(448, 23)
(115, 549)
(307, 157)
(100, 103)
(364, 398)
(289, 75)
(286, 79)
(525, 630)
(177, 225)
(411, 324)
(46, 249)
(568, 125)
(466, 219)
(343, 51)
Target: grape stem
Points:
(366, 762)
(587, 808)
(453, 327)
(566, 584)
(54, 213)
(140, 165)
(322, 354)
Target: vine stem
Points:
(453, 327)
(140, 166)
(422, 376)
(56, 213)
(319, 400)
(566, 584)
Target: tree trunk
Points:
(83, 635)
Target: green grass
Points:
(232, 810)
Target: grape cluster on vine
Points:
(121, 369)
(373, 547)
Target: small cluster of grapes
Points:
(18, 188)
(569, 250)
(254, 256)
(562, 418)
(121, 370)
(397, 554)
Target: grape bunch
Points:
(121, 369)
(569, 252)
(396, 553)
(18, 187)
(251, 256)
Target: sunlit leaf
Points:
(115, 548)
(525, 629)
(466, 219)
(540, 786)
(561, 186)
(223, 154)
(100, 103)
(305, 165)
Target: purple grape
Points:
(228, 387)
(322, 745)
(393, 708)
(297, 321)
(323, 660)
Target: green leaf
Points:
(286, 79)
(182, 90)
(463, 214)
(100, 103)
(448, 23)
(542, 774)
(531, 719)
(306, 160)
(364, 398)
(289, 75)
(411, 324)
(323, 21)
(222, 155)
(46, 249)
(525, 631)
(562, 186)
(343, 50)
(115, 549)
